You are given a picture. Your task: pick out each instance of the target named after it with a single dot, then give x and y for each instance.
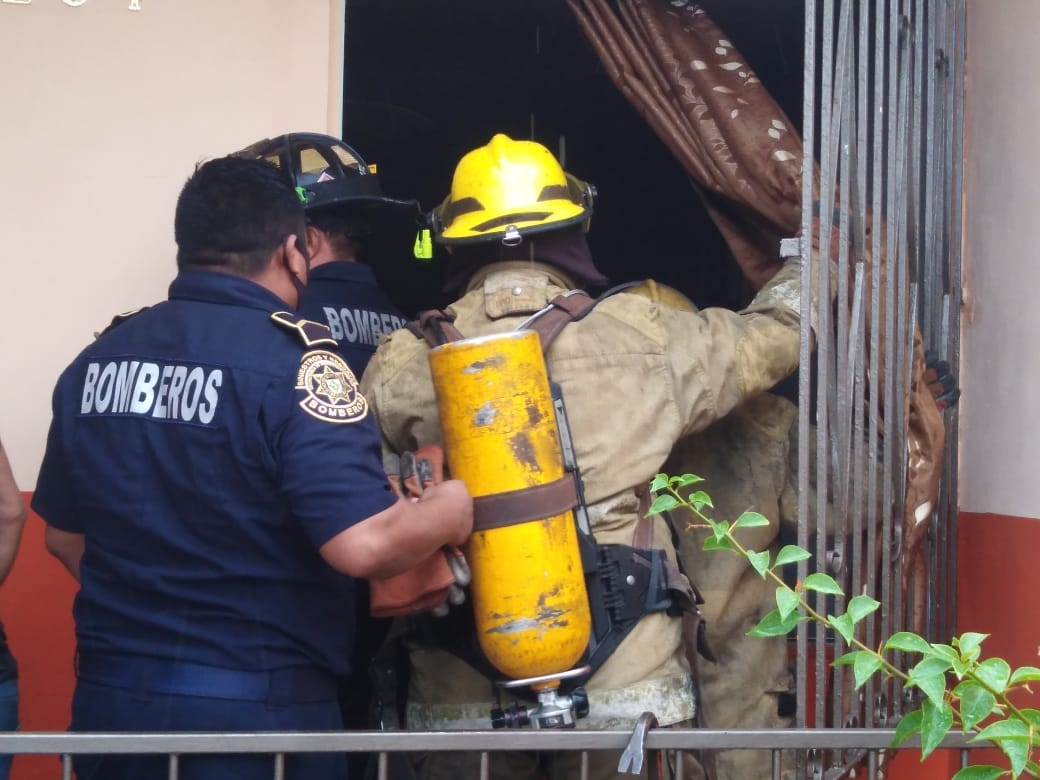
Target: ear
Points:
(315, 240)
(295, 259)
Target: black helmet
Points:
(332, 178)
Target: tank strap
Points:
(499, 510)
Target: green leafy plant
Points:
(959, 688)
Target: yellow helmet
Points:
(663, 294)
(508, 189)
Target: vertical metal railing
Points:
(883, 115)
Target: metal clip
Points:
(512, 236)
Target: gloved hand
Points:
(438, 581)
(940, 381)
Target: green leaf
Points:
(786, 601)
(759, 561)
(995, 673)
(843, 625)
(861, 606)
(774, 625)
(933, 686)
(751, 520)
(662, 504)
(976, 703)
(908, 725)
(711, 543)
(1017, 751)
(791, 553)
(907, 642)
(684, 481)
(1024, 674)
(945, 652)
(867, 664)
(936, 721)
(1032, 717)
(848, 659)
(1009, 728)
(720, 528)
(822, 583)
(930, 666)
(968, 643)
(700, 499)
(980, 773)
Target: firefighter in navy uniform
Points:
(211, 473)
(346, 207)
(636, 376)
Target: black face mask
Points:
(301, 247)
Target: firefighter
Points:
(211, 472)
(345, 207)
(636, 376)
(749, 461)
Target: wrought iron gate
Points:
(883, 105)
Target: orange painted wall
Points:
(36, 607)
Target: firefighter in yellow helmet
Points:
(636, 375)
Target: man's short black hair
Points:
(234, 212)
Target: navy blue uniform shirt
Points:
(345, 296)
(206, 452)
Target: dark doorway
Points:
(426, 82)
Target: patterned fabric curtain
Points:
(699, 95)
(683, 75)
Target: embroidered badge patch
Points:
(331, 389)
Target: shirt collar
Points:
(217, 287)
(343, 271)
(555, 276)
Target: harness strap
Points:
(562, 309)
(513, 507)
(436, 326)
(643, 536)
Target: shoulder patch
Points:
(311, 333)
(119, 319)
(331, 391)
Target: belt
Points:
(669, 698)
(290, 685)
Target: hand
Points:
(418, 476)
(940, 381)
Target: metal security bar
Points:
(871, 742)
(883, 108)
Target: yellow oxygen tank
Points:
(500, 436)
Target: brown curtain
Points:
(683, 75)
(702, 99)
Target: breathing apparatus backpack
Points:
(623, 582)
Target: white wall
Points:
(1000, 410)
(104, 112)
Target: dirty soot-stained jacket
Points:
(637, 376)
